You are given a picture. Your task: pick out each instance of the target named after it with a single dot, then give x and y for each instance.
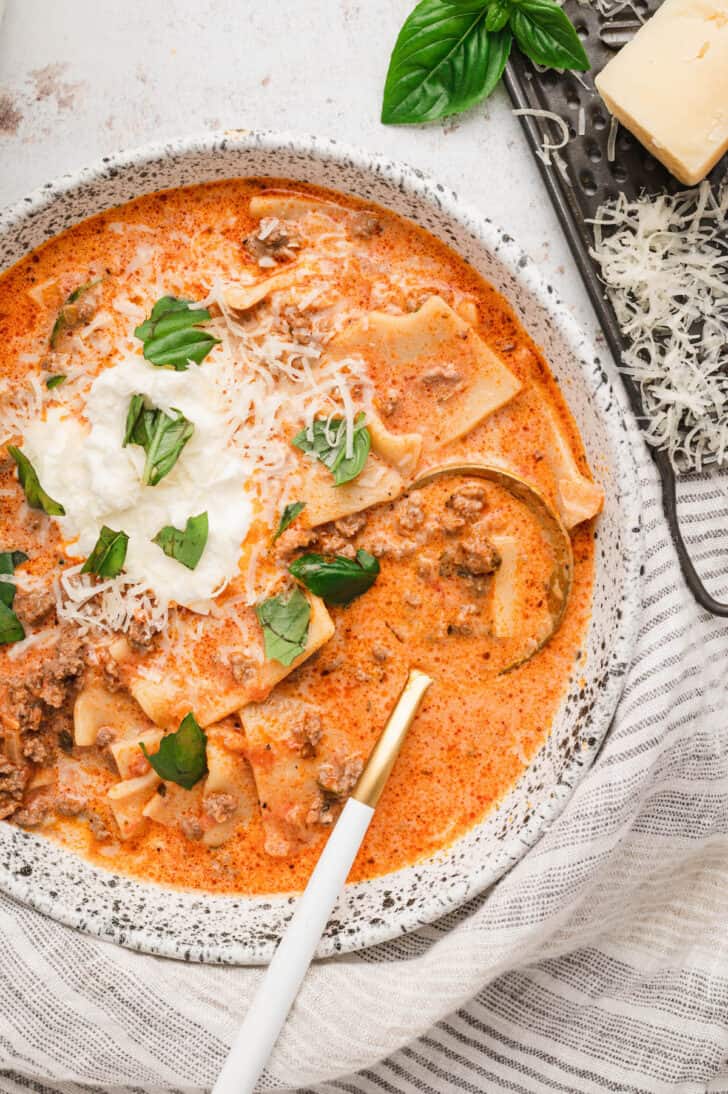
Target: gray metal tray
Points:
(591, 181)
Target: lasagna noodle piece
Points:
(97, 709)
(128, 756)
(287, 760)
(438, 376)
(128, 800)
(391, 463)
(316, 217)
(505, 599)
(288, 205)
(242, 298)
(168, 686)
(578, 497)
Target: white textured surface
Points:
(81, 78)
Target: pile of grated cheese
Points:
(664, 261)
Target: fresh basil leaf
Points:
(497, 15)
(169, 436)
(346, 467)
(171, 334)
(185, 546)
(327, 442)
(182, 756)
(288, 516)
(65, 318)
(545, 33)
(337, 580)
(284, 619)
(35, 495)
(9, 560)
(55, 381)
(135, 431)
(164, 306)
(161, 435)
(443, 61)
(11, 629)
(109, 554)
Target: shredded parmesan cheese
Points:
(39, 640)
(547, 146)
(612, 139)
(665, 263)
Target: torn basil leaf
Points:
(284, 619)
(109, 554)
(288, 516)
(68, 315)
(9, 560)
(172, 335)
(182, 756)
(336, 579)
(137, 419)
(55, 381)
(11, 629)
(185, 546)
(35, 495)
(161, 435)
(326, 440)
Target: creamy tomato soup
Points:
(219, 561)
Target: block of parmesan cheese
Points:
(669, 86)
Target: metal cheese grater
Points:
(591, 179)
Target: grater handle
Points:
(691, 575)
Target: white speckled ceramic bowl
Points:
(194, 926)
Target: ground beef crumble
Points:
(36, 712)
(220, 807)
(339, 774)
(305, 734)
(13, 780)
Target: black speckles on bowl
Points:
(243, 929)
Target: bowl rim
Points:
(618, 423)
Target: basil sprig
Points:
(450, 54)
(288, 516)
(11, 629)
(109, 554)
(161, 435)
(285, 620)
(336, 579)
(35, 495)
(182, 756)
(55, 381)
(184, 545)
(326, 440)
(172, 335)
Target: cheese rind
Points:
(669, 86)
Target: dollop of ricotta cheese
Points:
(84, 466)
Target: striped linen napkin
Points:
(599, 963)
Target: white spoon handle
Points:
(279, 987)
(259, 1032)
